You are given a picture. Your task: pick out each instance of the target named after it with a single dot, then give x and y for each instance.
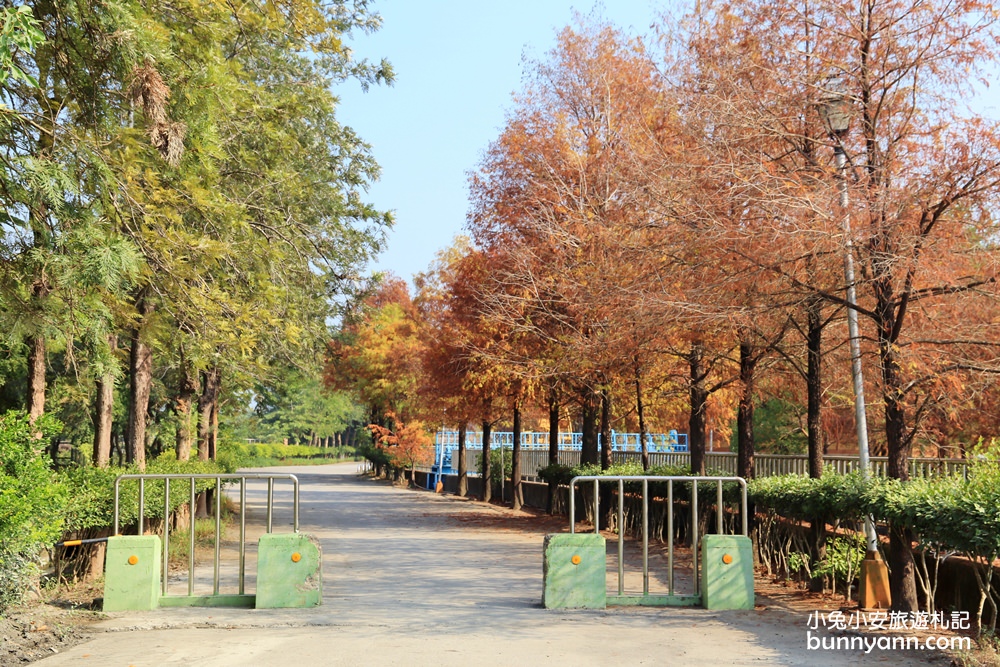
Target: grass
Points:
(985, 654)
(204, 533)
(204, 538)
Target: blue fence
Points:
(572, 442)
(447, 441)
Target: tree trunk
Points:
(140, 383)
(515, 461)
(182, 409)
(118, 448)
(641, 412)
(213, 434)
(463, 473)
(104, 417)
(206, 403)
(606, 439)
(485, 464)
(814, 387)
(699, 401)
(589, 451)
(36, 377)
(744, 422)
(553, 443)
(902, 579)
(814, 424)
(606, 491)
(744, 415)
(902, 570)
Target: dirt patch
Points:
(498, 517)
(39, 629)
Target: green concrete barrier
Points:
(727, 572)
(574, 571)
(132, 573)
(289, 571)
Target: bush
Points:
(557, 473)
(91, 505)
(377, 456)
(235, 455)
(31, 502)
(842, 561)
(946, 514)
(498, 472)
(830, 497)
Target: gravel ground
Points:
(39, 629)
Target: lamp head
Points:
(834, 106)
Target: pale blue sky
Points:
(457, 64)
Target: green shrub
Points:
(377, 456)
(946, 514)
(91, 504)
(557, 473)
(501, 465)
(830, 497)
(842, 561)
(235, 455)
(31, 502)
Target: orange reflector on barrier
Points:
(133, 559)
(296, 557)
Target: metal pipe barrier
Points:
(242, 477)
(694, 481)
(767, 465)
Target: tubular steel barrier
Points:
(672, 597)
(218, 479)
(766, 465)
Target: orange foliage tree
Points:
(921, 178)
(406, 444)
(377, 353)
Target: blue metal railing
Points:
(447, 441)
(620, 442)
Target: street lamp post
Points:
(834, 108)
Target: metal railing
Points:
(769, 465)
(192, 484)
(693, 481)
(532, 440)
(765, 465)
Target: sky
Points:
(457, 65)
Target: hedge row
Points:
(247, 454)
(946, 514)
(952, 513)
(558, 473)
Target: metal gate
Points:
(189, 483)
(735, 562)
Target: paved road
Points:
(411, 578)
